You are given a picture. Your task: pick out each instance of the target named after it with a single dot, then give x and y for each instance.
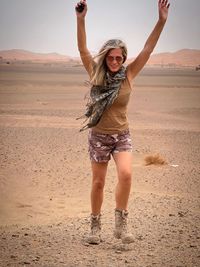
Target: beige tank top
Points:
(114, 119)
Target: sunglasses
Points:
(117, 58)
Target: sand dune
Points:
(184, 57)
(18, 54)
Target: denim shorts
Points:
(102, 146)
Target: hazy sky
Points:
(50, 25)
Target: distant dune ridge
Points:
(18, 54)
(184, 57)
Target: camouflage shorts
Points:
(102, 146)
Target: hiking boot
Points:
(121, 231)
(95, 235)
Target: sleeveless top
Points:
(114, 119)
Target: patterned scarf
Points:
(102, 97)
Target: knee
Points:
(125, 177)
(98, 184)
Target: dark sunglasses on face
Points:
(119, 59)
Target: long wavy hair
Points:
(100, 68)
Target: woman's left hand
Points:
(163, 7)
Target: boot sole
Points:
(124, 240)
(93, 241)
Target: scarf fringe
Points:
(81, 117)
(84, 128)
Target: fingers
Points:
(163, 3)
(81, 8)
(81, 3)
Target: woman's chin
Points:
(113, 70)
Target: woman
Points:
(109, 131)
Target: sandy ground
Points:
(45, 171)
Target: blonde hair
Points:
(100, 68)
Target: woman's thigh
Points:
(123, 161)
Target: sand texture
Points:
(45, 175)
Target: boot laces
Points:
(95, 224)
(124, 221)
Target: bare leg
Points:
(98, 181)
(123, 161)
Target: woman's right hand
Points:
(83, 13)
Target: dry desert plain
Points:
(45, 173)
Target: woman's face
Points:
(114, 59)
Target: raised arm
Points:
(85, 55)
(134, 67)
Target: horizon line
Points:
(93, 53)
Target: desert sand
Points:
(45, 173)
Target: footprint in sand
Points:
(21, 205)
